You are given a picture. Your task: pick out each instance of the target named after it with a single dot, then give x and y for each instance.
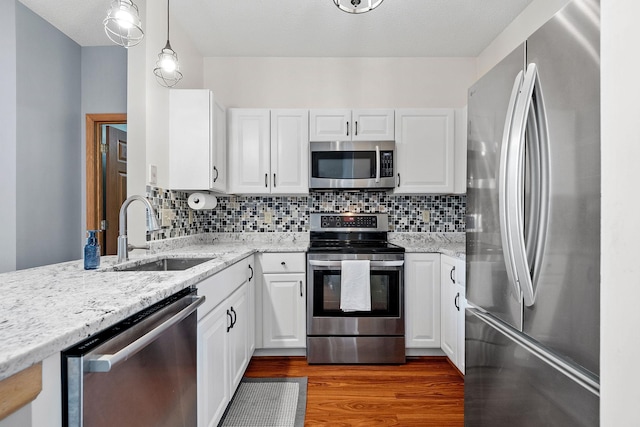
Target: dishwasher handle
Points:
(104, 362)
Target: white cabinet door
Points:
(460, 163)
(422, 300)
(283, 310)
(373, 125)
(351, 125)
(213, 366)
(448, 305)
(289, 151)
(238, 338)
(330, 125)
(462, 303)
(424, 151)
(251, 304)
(249, 151)
(197, 141)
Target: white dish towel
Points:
(355, 287)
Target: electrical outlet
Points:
(153, 175)
(268, 217)
(166, 215)
(425, 216)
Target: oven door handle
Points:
(377, 163)
(398, 263)
(104, 362)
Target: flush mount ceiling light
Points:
(167, 69)
(122, 23)
(357, 6)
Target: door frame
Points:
(94, 165)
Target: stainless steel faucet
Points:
(152, 225)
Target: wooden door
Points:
(115, 187)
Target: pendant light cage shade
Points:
(167, 69)
(357, 6)
(122, 24)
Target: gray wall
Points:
(104, 90)
(48, 147)
(8, 136)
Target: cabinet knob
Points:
(283, 263)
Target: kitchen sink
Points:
(163, 264)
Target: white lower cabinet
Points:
(225, 341)
(283, 300)
(422, 300)
(453, 302)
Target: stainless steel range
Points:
(336, 332)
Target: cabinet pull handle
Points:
(347, 128)
(229, 324)
(235, 317)
(283, 263)
(398, 180)
(266, 180)
(301, 288)
(456, 301)
(453, 270)
(356, 128)
(274, 180)
(215, 169)
(251, 268)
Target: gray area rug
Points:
(267, 402)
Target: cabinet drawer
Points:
(221, 285)
(293, 262)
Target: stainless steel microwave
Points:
(352, 165)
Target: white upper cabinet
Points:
(197, 141)
(249, 150)
(269, 151)
(289, 151)
(424, 151)
(351, 125)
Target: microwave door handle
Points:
(377, 163)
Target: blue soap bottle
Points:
(92, 251)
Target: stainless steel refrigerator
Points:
(533, 230)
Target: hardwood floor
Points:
(423, 392)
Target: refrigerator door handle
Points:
(529, 120)
(503, 179)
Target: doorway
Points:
(106, 176)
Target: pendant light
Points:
(167, 69)
(122, 23)
(357, 6)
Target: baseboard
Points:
(265, 352)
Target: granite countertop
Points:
(46, 309)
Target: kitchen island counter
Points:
(44, 310)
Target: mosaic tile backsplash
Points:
(235, 214)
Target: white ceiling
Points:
(443, 28)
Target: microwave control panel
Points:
(386, 164)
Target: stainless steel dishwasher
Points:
(139, 372)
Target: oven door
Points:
(359, 164)
(323, 297)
